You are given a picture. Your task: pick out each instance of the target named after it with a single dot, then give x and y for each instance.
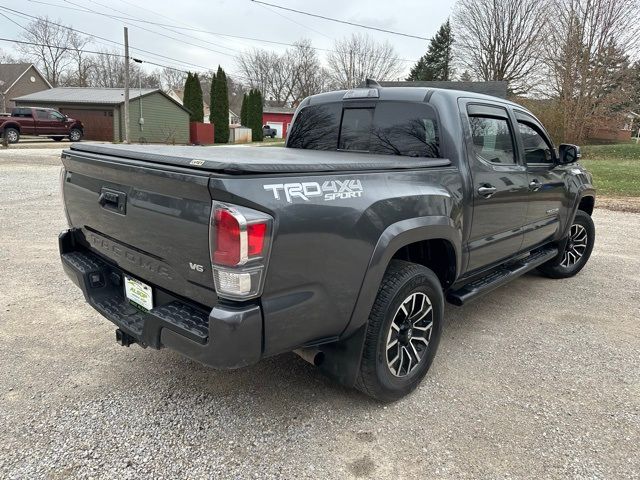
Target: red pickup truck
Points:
(45, 122)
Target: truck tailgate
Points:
(151, 221)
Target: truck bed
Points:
(243, 160)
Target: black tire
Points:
(75, 135)
(562, 266)
(376, 377)
(12, 135)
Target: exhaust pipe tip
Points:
(313, 356)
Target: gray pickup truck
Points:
(342, 247)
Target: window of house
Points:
(492, 139)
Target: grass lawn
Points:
(615, 168)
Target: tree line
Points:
(573, 62)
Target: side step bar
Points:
(499, 277)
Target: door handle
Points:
(535, 185)
(486, 190)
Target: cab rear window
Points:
(388, 128)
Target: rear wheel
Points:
(403, 332)
(579, 246)
(12, 135)
(75, 135)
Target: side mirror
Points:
(568, 153)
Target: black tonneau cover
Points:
(246, 160)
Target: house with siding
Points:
(17, 79)
(154, 117)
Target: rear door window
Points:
(492, 139)
(405, 129)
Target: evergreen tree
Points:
(466, 76)
(187, 96)
(197, 104)
(436, 63)
(254, 115)
(220, 106)
(243, 110)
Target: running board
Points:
(499, 277)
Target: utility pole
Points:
(126, 86)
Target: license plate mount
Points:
(138, 293)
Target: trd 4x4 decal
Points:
(328, 190)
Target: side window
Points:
(408, 129)
(536, 147)
(492, 139)
(42, 115)
(355, 129)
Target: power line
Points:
(340, 21)
(129, 19)
(293, 21)
(198, 30)
(119, 44)
(140, 7)
(48, 45)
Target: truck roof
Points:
(406, 94)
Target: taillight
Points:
(240, 239)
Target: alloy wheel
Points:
(576, 246)
(409, 334)
(75, 135)
(12, 136)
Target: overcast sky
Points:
(235, 17)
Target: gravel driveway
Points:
(538, 379)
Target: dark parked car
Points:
(343, 247)
(44, 122)
(267, 131)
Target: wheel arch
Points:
(419, 240)
(587, 203)
(6, 125)
(407, 237)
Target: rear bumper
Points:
(225, 337)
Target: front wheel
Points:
(577, 251)
(75, 135)
(12, 135)
(403, 332)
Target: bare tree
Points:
(172, 78)
(283, 79)
(78, 73)
(587, 54)
(257, 68)
(357, 58)
(108, 72)
(8, 58)
(49, 47)
(501, 40)
(310, 75)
